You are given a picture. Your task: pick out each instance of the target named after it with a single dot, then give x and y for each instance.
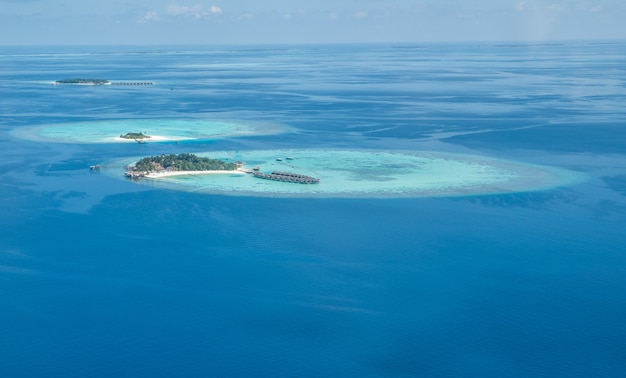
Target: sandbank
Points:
(159, 130)
(154, 138)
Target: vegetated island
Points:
(135, 136)
(185, 164)
(84, 81)
(179, 164)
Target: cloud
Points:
(590, 8)
(360, 14)
(521, 6)
(192, 11)
(182, 10)
(557, 7)
(173, 10)
(246, 16)
(150, 16)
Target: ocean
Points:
(103, 276)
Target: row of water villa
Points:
(131, 83)
(286, 177)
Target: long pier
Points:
(133, 83)
(286, 177)
(101, 82)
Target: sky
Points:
(159, 22)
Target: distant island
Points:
(84, 81)
(135, 136)
(180, 163)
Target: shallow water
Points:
(156, 130)
(361, 174)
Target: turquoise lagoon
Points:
(366, 173)
(343, 173)
(161, 130)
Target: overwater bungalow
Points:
(286, 177)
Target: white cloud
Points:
(521, 6)
(557, 7)
(246, 16)
(590, 8)
(181, 10)
(150, 16)
(333, 16)
(360, 14)
(192, 11)
(287, 16)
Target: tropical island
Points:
(135, 136)
(84, 81)
(176, 164)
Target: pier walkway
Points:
(133, 83)
(286, 177)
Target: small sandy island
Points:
(154, 138)
(134, 131)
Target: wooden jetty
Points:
(134, 174)
(133, 83)
(286, 177)
(131, 173)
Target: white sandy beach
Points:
(162, 174)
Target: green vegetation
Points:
(135, 136)
(182, 162)
(84, 81)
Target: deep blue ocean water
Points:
(102, 277)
